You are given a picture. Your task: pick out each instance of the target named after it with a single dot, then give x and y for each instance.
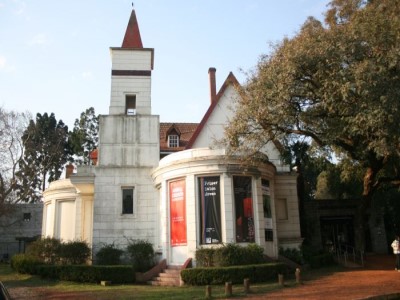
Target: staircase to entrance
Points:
(171, 276)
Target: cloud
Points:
(4, 66)
(87, 75)
(2, 62)
(39, 39)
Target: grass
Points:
(35, 286)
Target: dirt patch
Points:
(378, 277)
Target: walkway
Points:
(378, 277)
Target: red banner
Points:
(177, 200)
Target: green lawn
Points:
(33, 286)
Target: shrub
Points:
(254, 254)
(141, 254)
(256, 273)
(74, 252)
(205, 257)
(293, 254)
(46, 250)
(229, 255)
(91, 274)
(109, 255)
(25, 263)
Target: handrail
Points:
(4, 293)
(349, 253)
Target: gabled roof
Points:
(184, 130)
(230, 80)
(132, 37)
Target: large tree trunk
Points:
(362, 216)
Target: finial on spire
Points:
(133, 5)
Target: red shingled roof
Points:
(184, 130)
(132, 37)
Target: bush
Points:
(205, 257)
(91, 274)
(74, 252)
(25, 263)
(46, 250)
(141, 254)
(51, 251)
(293, 254)
(109, 255)
(256, 273)
(230, 255)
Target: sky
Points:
(55, 55)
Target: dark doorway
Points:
(337, 231)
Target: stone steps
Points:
(169, 277)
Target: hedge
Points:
(235, 274)
(91, 274)
(23, 263)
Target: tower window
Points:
(130, 104)
(173, 141)
(127, 201)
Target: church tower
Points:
(129, 135)
(131, 74)
(129, 148)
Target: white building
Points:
(168, 183)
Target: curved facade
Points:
(207, 199)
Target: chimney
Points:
(213, 90)
(69, 170)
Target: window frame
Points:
(130, 212)
(130, 104)
(173, 141)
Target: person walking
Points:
(396, 250)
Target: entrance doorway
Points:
(336, 231)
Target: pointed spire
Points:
(132, 37)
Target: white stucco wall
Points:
(140, 86)
(191, 164)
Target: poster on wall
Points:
(177, 198)
(210, 210)
(266, 203)
(245, 231)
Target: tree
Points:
(336, 84)
(12, 126)
(85, 136)
(46, 152)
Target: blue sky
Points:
(54, 55)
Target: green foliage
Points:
(293, 254)
(109, 254)
(74, 252)
(205, 257)
(92, 274)
(308, 255)
(25, 263)
(229, 255)
(142, 255)
(53, 251)
(85, 136)
(46, 152)
(46, 250)
(335, 85)
(220, 275)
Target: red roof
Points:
(183, 130)
(132, 37)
